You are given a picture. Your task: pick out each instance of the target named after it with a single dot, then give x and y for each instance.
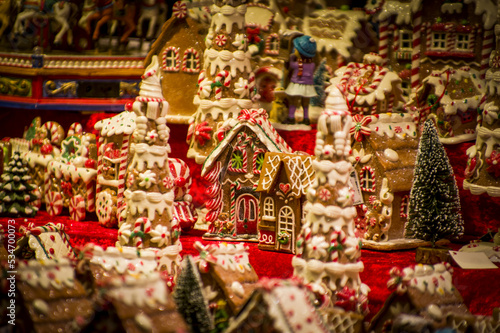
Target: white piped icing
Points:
(450, 8)
(402, 10)
(236, 61)
(125, 259)
(123, 123)
(392, 125)
(432, 279)
(147, 156)
(34, 159)
(487, 9)
(237, 289)
(226, 16)
(47, 273)
(490, 112)
(72, 172)
(133, 290)
(140, 201)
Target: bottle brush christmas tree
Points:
(434, 203)
(16, 196)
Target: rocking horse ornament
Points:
(107, 10)
(154, 12)
(5, 12)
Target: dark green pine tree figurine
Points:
(188, 296)
(434, 202)
(16, 190)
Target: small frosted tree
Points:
(16, 191)
(321, 80)
(434, 202)
(190, 300)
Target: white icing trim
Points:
(493, 191)
(139, 201)
(121, 124)
(60, 169)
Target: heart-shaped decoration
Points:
(284, 187)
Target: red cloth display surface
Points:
(479, 288)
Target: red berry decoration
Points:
(46, 149)
(90, 163)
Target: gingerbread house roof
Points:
(231, 270)
(367, 83)
(122, 123)
(53, 299)
(298, 169)
(456, 89)
(142, 302)
(44, 242)
(487, 9)
(346, 25)
(256, 120)
(259, 16)
(288, 304)
(402, 10)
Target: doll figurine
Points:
(301, 70)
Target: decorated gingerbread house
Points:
(426, 291)
(138, 303)
(383, 157)
(228, 277)
(50, 299)
(44, 242)
(482, 174)
(70, 179)
(452, 98)
(233, 168)
(368, 87)
(283, 183)
(180, 48)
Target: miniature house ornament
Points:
(149, 195)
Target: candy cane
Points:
(77, 208)
(232, 189)
(383, 40)
(141, 225)
(486, 51)
(55, 134)
(222, 75)
(75, 129)
(99, 163)
(90, 193)
(415, 54)
(123, 168)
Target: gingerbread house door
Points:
(286, 221)
(246, 214)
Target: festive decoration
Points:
(16, 191)
(434, 203)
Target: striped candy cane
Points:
(415, 55)
(99, 163)
(77, 208)
(55, 131)
(384, 41)
(232, 189)
(486, 51)
(75, 129)
(222, 76)
(123, 168)
(90, 193)
(142, 226)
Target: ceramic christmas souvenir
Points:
(138, 303)
(115, 155)
(226, 82)
(451, 98)
(424, 291)
(49, 241)
(283, 183)
(18, 195)
(233, 168)
(482, 174)
(328, 250)
(50, 298)
(434, 208)
(70, 179)
(148, 218)
(281, 306)
(227, 280)
(180, 48)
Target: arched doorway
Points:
(246, 214)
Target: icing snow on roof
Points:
(334, 29)
(431, 279)
(47, 273)
(122, 123)
(402, 10)
(257, 121)
(488, 9)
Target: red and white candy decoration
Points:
(220, 40)
(55, 203)
(77, 208)
(179, 10)
(181, 176)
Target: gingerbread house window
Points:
(405, 205)
(467, 116)
(171, 59)
(268, 209)
(405, 40)
(439, 40)
(367, 179)
(272, 44)
(406, 87)
(462, 42)
(383, 105)
(238, 161)
(191, 61)
(258, 160)
(286, 220)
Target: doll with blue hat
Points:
(301, 70)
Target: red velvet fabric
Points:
(480, 288)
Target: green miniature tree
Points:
(321, 80)
(16, 191)
(434, 202)
(190, 300)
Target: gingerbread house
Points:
(180, 47)
(451, 97)
(228, 277)
(280, 306)
(384, 159)
(233, 168)
(44, 242)
(283, 183)
(426, 291)
(50, 298)
(368, 87)
(138, 303)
